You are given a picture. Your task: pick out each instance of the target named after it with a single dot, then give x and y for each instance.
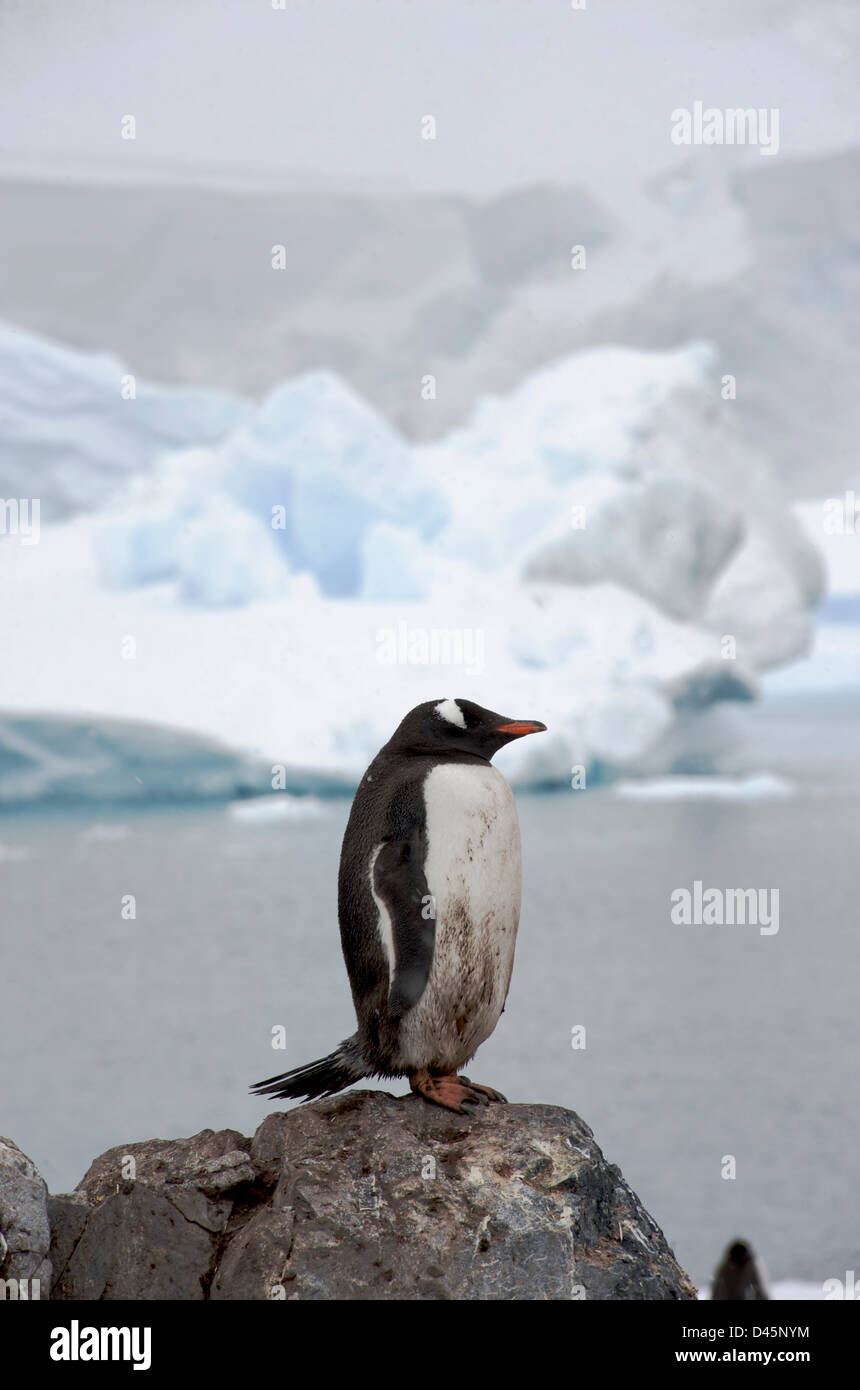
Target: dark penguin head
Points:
(740, 1276)
(738, 1254)
(458, 726)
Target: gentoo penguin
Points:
(741, 1276)
(429, 905)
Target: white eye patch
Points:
(450, 710)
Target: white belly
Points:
(473, 871)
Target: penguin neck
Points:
(442, 755)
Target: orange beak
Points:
(518, 727)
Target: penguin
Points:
(741, 1276)
(428, 904)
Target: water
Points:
(701, 1041)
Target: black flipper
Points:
(323, 1078)
(398, 879)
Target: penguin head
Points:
(459, 726)
(738, 1253)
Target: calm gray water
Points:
(702, 1041)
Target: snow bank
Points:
(263, 810)
(762, 786)
(783, 1290)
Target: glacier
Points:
(601, 543)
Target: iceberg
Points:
(832, 527)
(300, 488)
(621, 465)
(76, 426)
(597, 548)
(68, 760)
(320, 467)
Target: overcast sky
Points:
(521, 90)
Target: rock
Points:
(365, 1196)
(151, 1219)
(24, 1229)
(67, 1215)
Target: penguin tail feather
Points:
(323, 1078)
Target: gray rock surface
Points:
(24, 1230)
(364, 1196)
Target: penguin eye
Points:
(472, 720)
